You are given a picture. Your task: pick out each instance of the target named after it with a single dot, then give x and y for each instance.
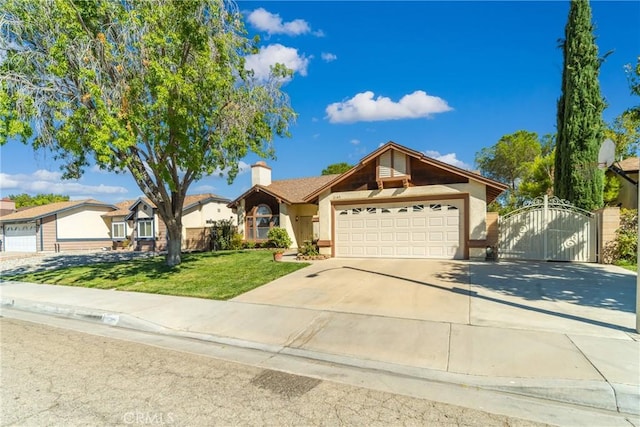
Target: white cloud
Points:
(447, 158)
(44, 181)
(328, 57)
(363, 107)
(354, 141)
(268, 56)
(272, 23)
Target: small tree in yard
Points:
(156, 88)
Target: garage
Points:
(424, 229)
(20, 237)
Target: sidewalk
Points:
(591, 371)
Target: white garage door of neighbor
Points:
(430, 229)
(20, 237)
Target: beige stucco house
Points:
(396, 202)
(91, 224)
(628, 196)
(135, 224)
(71, 225)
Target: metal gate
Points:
(548, 229)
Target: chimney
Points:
(260, 174)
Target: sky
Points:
(443, 78)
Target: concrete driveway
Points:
(560, 297)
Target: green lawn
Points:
(214, 275)
(627, 265)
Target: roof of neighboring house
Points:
(122, 208)
(494, 188)
(125, 207)
(632, 164)
(289, 190)
(37, 212)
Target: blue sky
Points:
(443, 78)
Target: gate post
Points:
(545, 223)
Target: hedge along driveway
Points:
(213, 275)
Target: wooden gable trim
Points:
(257, 189)
(497, 186)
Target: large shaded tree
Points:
(580, 127)
(156, 88)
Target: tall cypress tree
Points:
(580, 124)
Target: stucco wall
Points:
(198, 216)
(477, 204)
(83, 223)
(628, 195)
(288, 214)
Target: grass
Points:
(213, 275)
(628, 265)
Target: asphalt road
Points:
(53, 376)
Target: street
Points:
(53, 376)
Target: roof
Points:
(37, 212)
(494, 188)
(122, 208)
(125, 207)
(631, 164)
(289, 190)
(295, 190)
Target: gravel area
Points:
(27, 263)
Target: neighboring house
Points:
(7, 206)
(628, 196)
(396, 202)
(71, 225)
(135, 224)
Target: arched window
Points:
(259, 221)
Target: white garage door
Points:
(430, 229)
(20, 237)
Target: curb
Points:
(621, 399)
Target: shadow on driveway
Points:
(590, 285)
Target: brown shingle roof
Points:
(294, 190)
(122, 209)
(36, 212)
(632, 164)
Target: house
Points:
(70, 225)
(135, 224)
(628, 196)
(396, 202)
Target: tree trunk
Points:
(174, 245)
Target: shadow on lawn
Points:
(109, 265)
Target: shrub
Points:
(309, 248)
(624, 249)
(236, 242)
(279, 238)
(222, 234)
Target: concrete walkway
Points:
(519, 328)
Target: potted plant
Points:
(279, 240)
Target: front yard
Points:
(213, 275)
